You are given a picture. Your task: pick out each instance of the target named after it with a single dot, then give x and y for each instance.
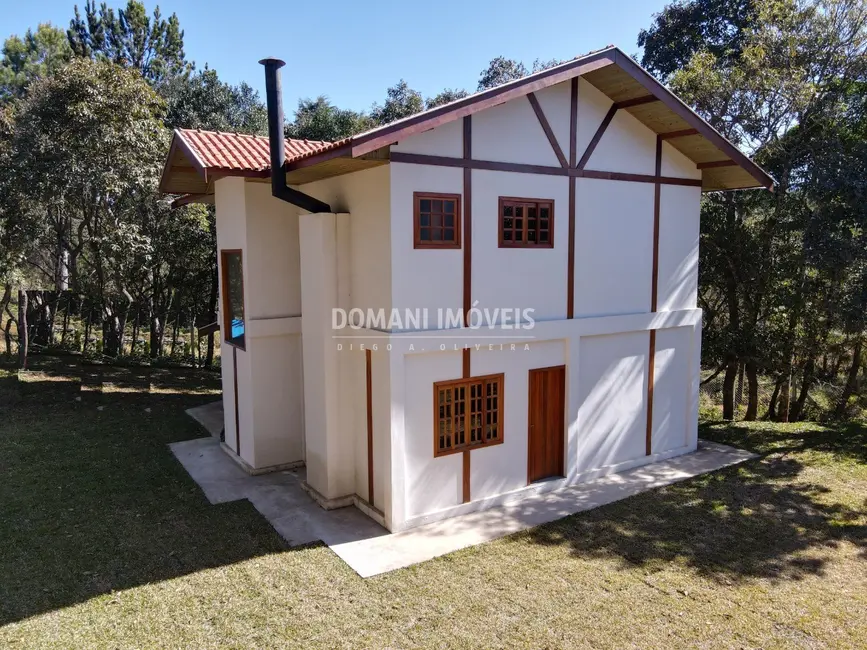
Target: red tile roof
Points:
(241, 152)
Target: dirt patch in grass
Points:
(108, 543)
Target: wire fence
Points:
(821, 399)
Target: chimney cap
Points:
(272, 61)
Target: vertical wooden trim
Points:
(466, 472)
(468, 219)
(657, 190)
(573, 125)
(651, 358)
(654, 290)
(368, 364)
(235, 389)
(546, 127)
(573, 155)
(468, 273)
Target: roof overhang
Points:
(633, 89)
(618, 76)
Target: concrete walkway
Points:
(209, 416)
(370, 550)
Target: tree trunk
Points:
(729, 390)
(175, 329)
(7, 333)
(87, 329)
(806, 384)
(135, 326)
(752, 391)
(785, 399)
(4, 305)
(851, 381)
(212, 311)
(194, 345)
(65, 321)
(739, 392)
(772, 405)
(23, 338)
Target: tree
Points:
(401, 101)
(38, 55)
(769, 282)
(87, 149)
(499, 71)
(154, 46)
(202, 101)
(445, 97)
(684, 29)
(319, 119)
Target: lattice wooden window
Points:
(437, 219)
(467, 413)
(526, 223)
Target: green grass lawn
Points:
(106, 542)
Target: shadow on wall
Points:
(92, 500)
(749, 521)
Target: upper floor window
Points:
(526, 223)
(233, 297)
(467, 413)
(437, 219)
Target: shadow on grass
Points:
(748, 521)
(93, 501)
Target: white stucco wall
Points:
(365, 259)
(611, 409)
(232, 234)
(678, 247)
(270, 388)
(613, 247)
(512, 277)
(422, 279)
(605, 348)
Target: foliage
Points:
(401, 101)
(319, 119)
(153, 45)
(499, 71)
(202, 101)
(445, 97)
(37, 55)
(780, 272)
(688, 27)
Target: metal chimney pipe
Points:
(274, 98)
(274, 101)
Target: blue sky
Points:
(353, 51)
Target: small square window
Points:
(476, 411)
(526, 223)
(437, 220)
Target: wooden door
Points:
(547, 405)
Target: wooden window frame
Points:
(418, 243)
(537, 203)
(224, 299)
(499, 379)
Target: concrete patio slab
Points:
(370, 557)
(277, 496)
(370, 550)
(209, 416)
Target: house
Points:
(490, 299)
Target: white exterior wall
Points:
(361, 261)
(364, 258)
(270, 391)
(605, 347)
